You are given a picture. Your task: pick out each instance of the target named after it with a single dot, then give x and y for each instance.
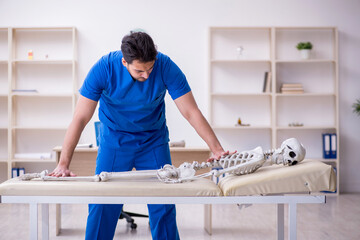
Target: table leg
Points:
(45, 221)
(208, 218)
(58, 219)
(33, 212)
(280, 221)
(292, 221)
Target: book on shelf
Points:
(292, 91)
(267, 82)
(292, 88)
(292, 85)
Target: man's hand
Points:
(61, 171)
(217, 156)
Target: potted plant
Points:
(304, 48)
(356, 107)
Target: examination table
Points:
(275, 184)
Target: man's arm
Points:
(189, 109)
(83, 112)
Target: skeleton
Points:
(290, 153)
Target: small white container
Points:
(305, 53)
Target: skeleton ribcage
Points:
(244, 162)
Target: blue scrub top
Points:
(132, 113)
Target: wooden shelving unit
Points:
(4, 62)
(41, 107)
(238, 60)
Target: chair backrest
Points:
(97, 132)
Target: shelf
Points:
(241, 61)
(34, 94)
(307, 61)
(45, 61)
(3, 160)
(305, 28)
(39, 114)
(305, 95)
(305, 128)
(43, 28)
(240, 94)
(32, 160)
(241, 127)
(238, 28)
(39, 128)
(238, 58)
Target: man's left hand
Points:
(217, 156)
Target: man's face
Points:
(139, 70)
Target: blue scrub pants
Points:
(102, 218)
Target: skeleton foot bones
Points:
(290, 153)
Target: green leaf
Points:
(304, 45)
(356, 107)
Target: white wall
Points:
(179, 28)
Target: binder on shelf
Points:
(21, 171)
(329, 145)
(14, 172)
(333, 147)
(326, 145)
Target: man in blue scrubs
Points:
(131, 85)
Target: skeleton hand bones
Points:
(290, 153)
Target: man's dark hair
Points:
(138, 46)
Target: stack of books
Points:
(292, 88)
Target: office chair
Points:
(127, 215)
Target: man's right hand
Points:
(61, 171)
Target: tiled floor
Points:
(338, 219)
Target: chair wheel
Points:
(133, 226)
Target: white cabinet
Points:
(40, 94)
(238, 60)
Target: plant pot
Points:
(305, 53)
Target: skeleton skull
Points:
(293, 151)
